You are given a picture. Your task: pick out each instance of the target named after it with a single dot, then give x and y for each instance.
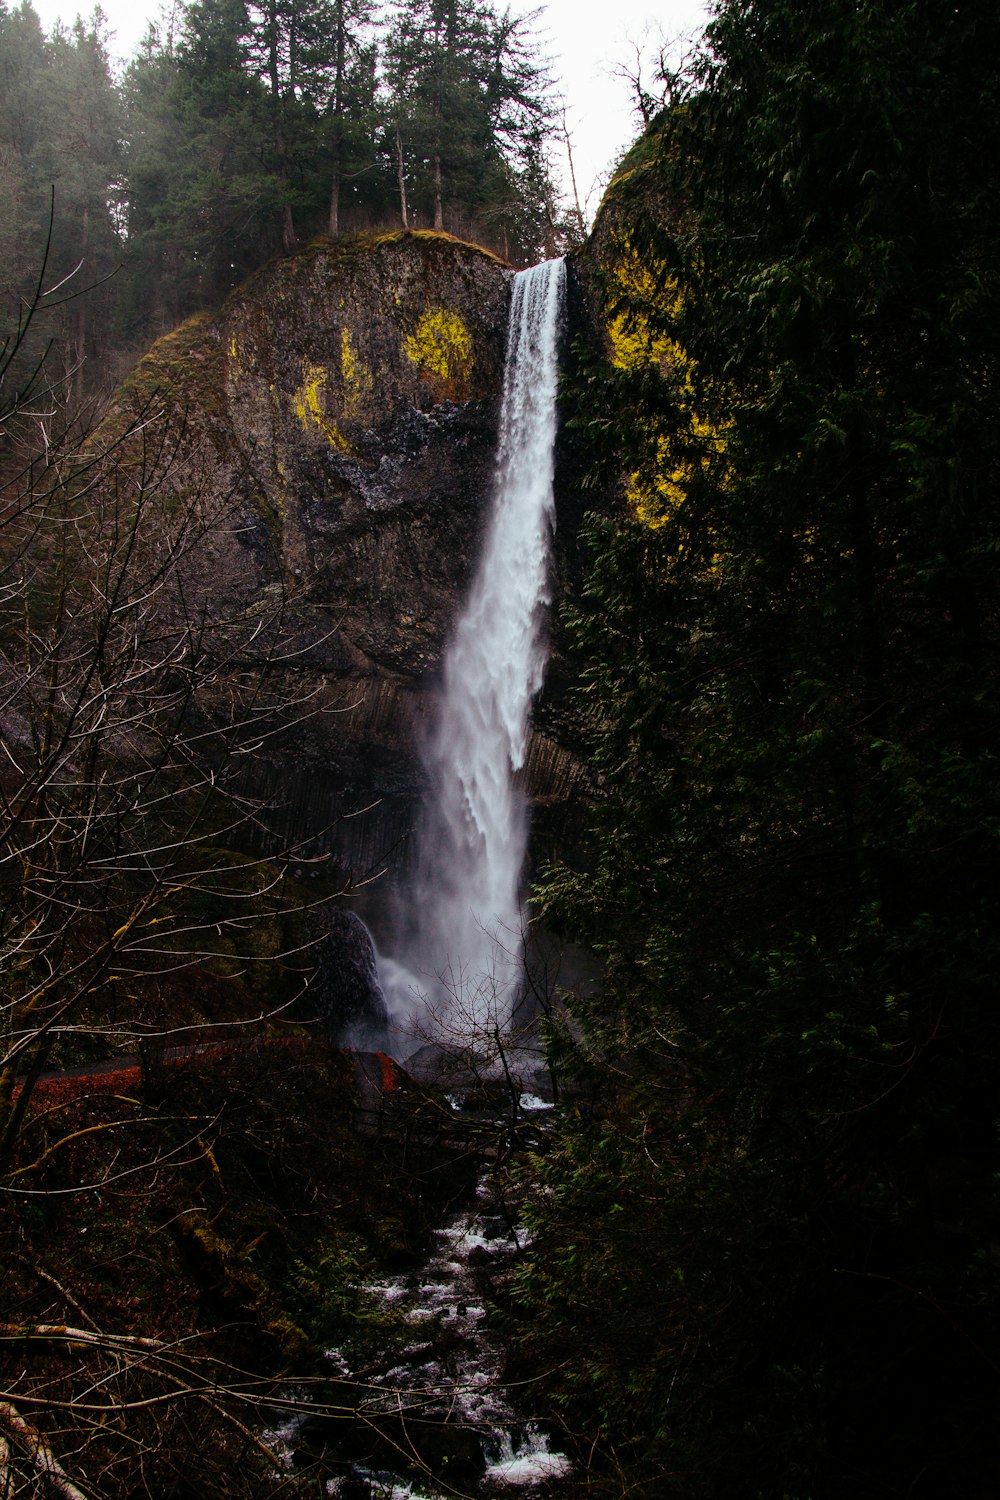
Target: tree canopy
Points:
(765, 1257)
(245, 129)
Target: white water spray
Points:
(458, 964)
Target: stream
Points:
(456, 1377)
(438, 1420)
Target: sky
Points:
(586, 41)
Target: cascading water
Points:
(455, 976)
(457, 962)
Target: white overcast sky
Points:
(585, 39)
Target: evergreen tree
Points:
(156, 152)
(60, 174)
(23, 62)
(794, 649)
(469, 112)
(288, 49)
(349, 116)
(84, 167)
(204, 199)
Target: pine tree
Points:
(60, 173)
(204, 198)
(285, 45)
(23, 60)
(85, 165)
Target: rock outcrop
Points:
(337, 428)
(337, 424)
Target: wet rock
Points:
(344, 1001)
(338, 424)
(452, 1452)
(348, 1487)
(337, 427)
(494, 1229)
(448, 1068)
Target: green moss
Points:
(436, 236)
(190, 358)
(645, 155)
(242, 1286)
(341, 254)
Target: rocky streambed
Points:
(437, 1420)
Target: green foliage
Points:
(242, 129)
(328, 1294)
(469, 105)
(203, 191)
(60, 182)
(793, 687)
(213, 1227)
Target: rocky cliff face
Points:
(338, 422)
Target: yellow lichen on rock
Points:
(235, 370)
(658, 487)
(309, 407)
(357, 380)
(440, 348)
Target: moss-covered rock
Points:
(333, 431)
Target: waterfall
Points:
(457, 964)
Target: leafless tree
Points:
(130, 703)
(576, 216)
(483, 1035)
(657, 73)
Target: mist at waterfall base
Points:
(454, 966)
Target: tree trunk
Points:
(340, 65)
(333, 223)
(577, 210)
(401, 177)
(51, 1473)
(80, 341)
(289, 240)
(438, 204)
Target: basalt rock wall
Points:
(336, 426)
